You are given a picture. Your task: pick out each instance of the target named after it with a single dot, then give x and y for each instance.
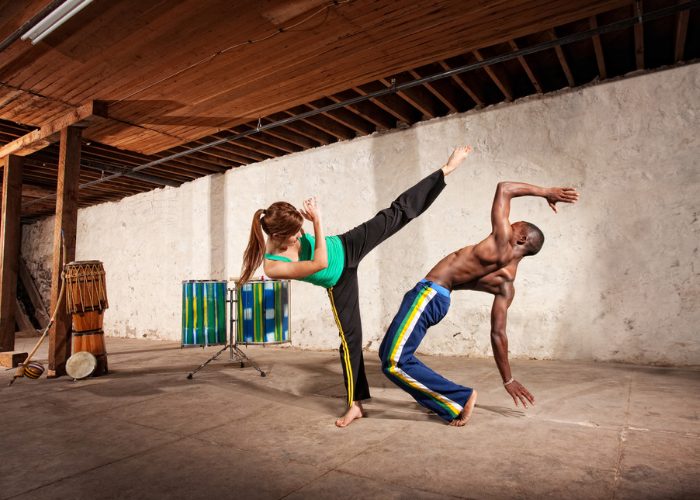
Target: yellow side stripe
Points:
(425, 296)
(346, 351)
(451, 406)
(413, 315)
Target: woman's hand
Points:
(311, 211)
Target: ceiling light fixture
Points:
(55, 19)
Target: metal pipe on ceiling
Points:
(43, 13)
(575, 37)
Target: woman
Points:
(331, 262)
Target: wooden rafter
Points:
(233, 151)
(460, 82)
(345, 118)
(34, 191)
(50, 133)
(415, 97)
(303, 129)
(292, 137)
(562, 59)
(497, 76)
(390, 103)
(639, 36)
(681, 33)
(523, 62)
(368, 111)
(598, 48)
(276, 142)
(439, 90)
(257, 149)
(324, 124)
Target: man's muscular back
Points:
(482, 267)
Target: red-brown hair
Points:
(280, 219)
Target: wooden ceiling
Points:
(271, 77)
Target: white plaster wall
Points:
(617, 278)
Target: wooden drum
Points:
(86, 287)
(88, 336)
(86, 300)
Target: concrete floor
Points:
(145, 431)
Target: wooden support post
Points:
(9, 248)
(66, 225)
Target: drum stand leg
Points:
(191, 374)
(235, 352)
(241, 357)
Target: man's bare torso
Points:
(478, 267)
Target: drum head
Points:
(81, 365)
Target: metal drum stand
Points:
(235, 353)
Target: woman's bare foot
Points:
(354, 412)
(457, 157)
(466, 413)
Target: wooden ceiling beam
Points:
(523, 62)
(598, 48)
(390, 103)
(131, 159)
(445, 94)
(497, 76)
(50, 133)
(274, 142)
(345, 117)
(562, 59)
(478, 100)
(293, 138)
(228, 150)
(323, 123)
(261, 149)
(35, 191)
(302, 129)
(201, 158)
(639, 36)
(417, 97)
(681, 33)
(366, 110)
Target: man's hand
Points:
(561, 194)
(311, 212)
(518, 392)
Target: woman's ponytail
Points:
(255, 251)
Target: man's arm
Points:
(499, 343)
(506, 191)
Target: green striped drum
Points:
(203, 313)
(263, 312)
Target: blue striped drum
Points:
(263, 312)
(203, 313)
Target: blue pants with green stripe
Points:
(422, 307)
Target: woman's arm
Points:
(297, 270)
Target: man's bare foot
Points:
(457, 157)
(353, 413)
(466, 413)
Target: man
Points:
(488, 266)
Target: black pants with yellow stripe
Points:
(357, 243)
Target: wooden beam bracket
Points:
(40, 138)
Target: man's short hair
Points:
(535, 238)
